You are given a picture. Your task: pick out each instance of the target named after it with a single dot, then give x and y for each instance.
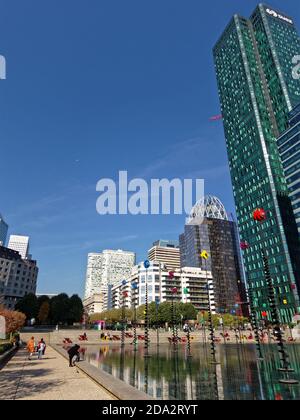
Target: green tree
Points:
(44, 312)
(187, 311)
(165, 312)
(75, 313)
(42, 299)
(59, 308)
(28, 305)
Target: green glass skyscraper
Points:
(254, 62)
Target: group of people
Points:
(106, 336)
(39, 348)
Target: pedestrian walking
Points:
(41, 348)
(31, 347)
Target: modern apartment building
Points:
(193, 285)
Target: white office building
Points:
(19, 244)
(107, 268)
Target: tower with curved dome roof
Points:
(209, 228)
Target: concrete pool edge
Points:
(117, 388)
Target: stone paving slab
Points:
(46, 379)
(115, 386)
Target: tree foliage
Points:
(75, 313)
(227, 319)
(28, 305)
(44, 312)
(14, 320)
(157, 313)
(58, 310)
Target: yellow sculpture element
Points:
(204, 255)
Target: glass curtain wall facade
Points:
(3, 231)
(219, 238)
(253, 62)
(289, 149)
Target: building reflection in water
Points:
(169, 375)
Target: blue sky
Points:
(101, 86)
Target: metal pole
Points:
(173, 324)
(134, 326)
(284, 357)
(157, 331)
(146, 317)
(260, 216)
(123, 315)
(210, 322)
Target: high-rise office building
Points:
(107, 268)
(167, 253)
(253, 61)
(210, 229)
(289, 149)
(20, 244)
(3, 231)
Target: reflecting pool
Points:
(169, 374)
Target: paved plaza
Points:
(46, 379)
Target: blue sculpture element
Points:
(147, 264)
(124, 282)
(134, 286)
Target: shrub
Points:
(5, 347)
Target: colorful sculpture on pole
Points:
(134, 287)
(259, 215)
(146, 265)
(244, 245)
(204, 254)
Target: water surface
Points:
(172, 375)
